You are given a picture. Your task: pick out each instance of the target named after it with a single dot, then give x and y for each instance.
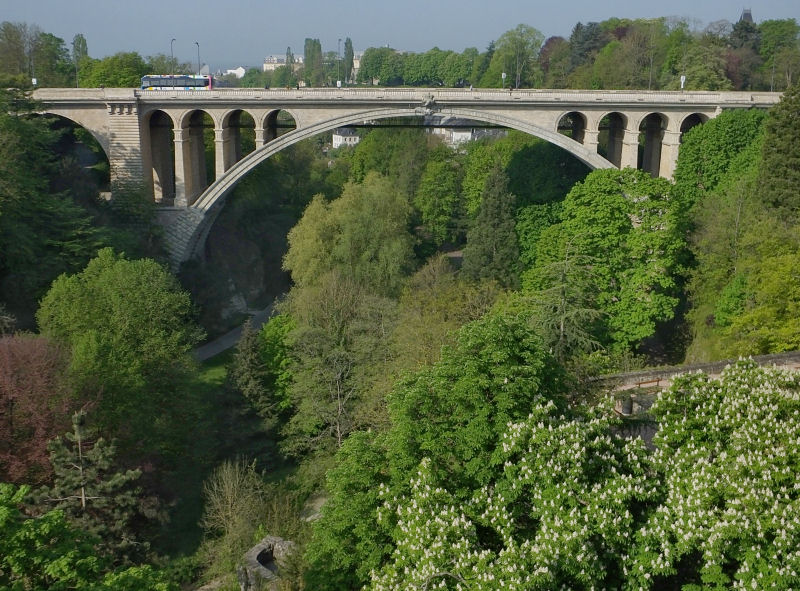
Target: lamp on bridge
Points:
(171, 58)
(198, 57)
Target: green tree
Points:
(708, 150)
(434, 304)
(492, 251)
(46, 552)
(121, 70)
(312, 63)
(626, 222)
(561, 296)
(346, 542)
(438, 199)
(129, 328)
(165, 64)
(261, 366)
(347, 65)
(780, 159)
(518, 49)
(43, 232)
(338, 346)
(362, 235)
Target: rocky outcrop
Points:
(262, 562)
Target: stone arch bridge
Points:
(154, 139)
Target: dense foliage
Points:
(427, 375)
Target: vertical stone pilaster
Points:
(181, 148)
(630, 149)
(221, 151)
(261, 137)
(590, 139)
(125, 146)
(670, 145)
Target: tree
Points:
(518, 50)
(121, 70)
(36, 403)
(261, 366)
(363, 236)
(780, 159)
(437, 199)
(349, 55)
(165, 64)
(347, 543)
(725, 453)
(43, 232)
(95, 495)
(129, 327)
(80, 49)
(312, 63)
(564, 310)
(338, 345)
(454, 412)
(707, 152)
(46, 552)
(434, 304)
(492, 251)
(14, 44)
(626, 222)
(234, 504)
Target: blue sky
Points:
(242, 32)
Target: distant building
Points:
(747, 15)
(345, 136)
(238, 72)
(271, 62)
(462, 132)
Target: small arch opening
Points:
(651, 133)
(573, 125)
(199, 154)
(611, 132)
(692, 121)
(162, 157)
(278, 123)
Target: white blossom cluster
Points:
(716, 505)
(728, 454)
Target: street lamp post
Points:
(338, 62)
(171, 58)
(198, 57)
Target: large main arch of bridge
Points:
(201, 214)
(208, 205)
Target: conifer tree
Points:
(94, 495)
(780, 159)
(492, 251)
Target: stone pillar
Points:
(590, 140)
(221, 147)
(181, 161)
(670, 145)
(261, 137)
(630, 149)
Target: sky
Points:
(234, 33)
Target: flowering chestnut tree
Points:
(715, 505)
(727, 458)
